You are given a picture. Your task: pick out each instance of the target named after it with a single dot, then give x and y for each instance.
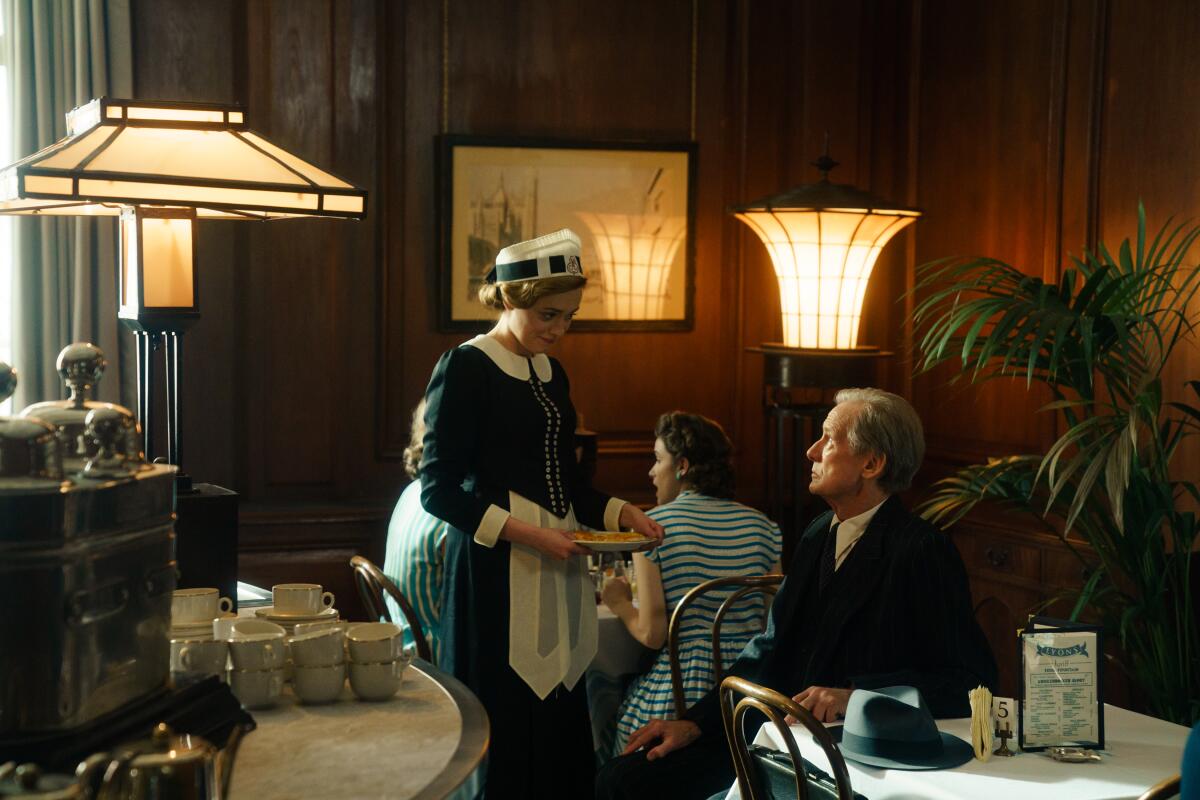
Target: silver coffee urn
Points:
(87, 559)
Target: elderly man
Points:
(874, 597)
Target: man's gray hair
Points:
(886, 424)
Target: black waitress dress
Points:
(518, 627)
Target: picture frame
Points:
(632, 204)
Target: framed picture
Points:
(631, 204)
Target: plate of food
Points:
(609, 541)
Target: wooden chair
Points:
(1168, 787)
(372, 584)
(767, 584)
(756, 766)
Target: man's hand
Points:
(671, 733)
(827, 705)
(616, 593)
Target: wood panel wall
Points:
(1025, 130)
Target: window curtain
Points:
(61, 54)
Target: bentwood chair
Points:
(767, 584)
(372, 585)
(766, 774)
(1168, 787)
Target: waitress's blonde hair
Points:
(523, 294)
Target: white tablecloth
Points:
(618, 653)
(1140, 751)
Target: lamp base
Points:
(799, 368)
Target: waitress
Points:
(518, 609)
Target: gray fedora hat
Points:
(892, 728)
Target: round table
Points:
(429, 741)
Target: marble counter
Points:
(429, 741)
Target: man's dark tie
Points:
(827, 559)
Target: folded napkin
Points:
(981, 722)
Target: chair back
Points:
(372, 586)
(767, 584)
(760, 774)
(1167, 787)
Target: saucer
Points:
(268, 612)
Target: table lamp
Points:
(160, 167)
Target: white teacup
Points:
(300, 599)
(318, 684)
(258, 653)
(197, 605)
(374, 642)
(256, 688)
(253, 628)
(318, 649)
(223, 627)
(376, 681)
(198, 657)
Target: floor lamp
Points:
(160, 167)
(823, 239)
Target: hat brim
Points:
(955, 752)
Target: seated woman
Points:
(416, 546)
(707, 536)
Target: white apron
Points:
(552, 607)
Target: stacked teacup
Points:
(298, 603)
(318, 665)
(258, 652)
(194, 652)
(377, 659)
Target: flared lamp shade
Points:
(823, 239)
(120, 153)
(636, 253)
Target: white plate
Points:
(268, 612)
(613, 547)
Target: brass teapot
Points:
(163, 767)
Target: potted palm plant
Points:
(1099, 341)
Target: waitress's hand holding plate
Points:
(633, 518)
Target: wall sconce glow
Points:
(636, 254)
(824, 239)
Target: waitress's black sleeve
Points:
(452, 438)
(590, 504)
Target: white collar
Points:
(850, 531)
(509, 362)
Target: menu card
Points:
(1062, 683)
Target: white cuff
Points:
(612, 514)
(489, 527)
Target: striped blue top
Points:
(705, 538)
(414, 559)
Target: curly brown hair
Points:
(704, 444)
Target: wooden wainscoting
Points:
(1014, 572)
(286, 544)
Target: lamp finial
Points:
(825, 163)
